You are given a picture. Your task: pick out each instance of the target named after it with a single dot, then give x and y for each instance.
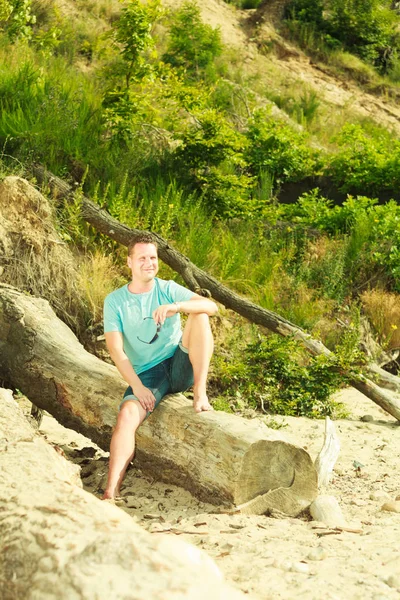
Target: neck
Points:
(140, 287)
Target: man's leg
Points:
(122, 447)
(197, 338)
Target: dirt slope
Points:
(290, 68)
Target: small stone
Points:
(300, 567)
(397, 497)
(132, 502)
(317, 553)
(367, 418)
(393, 581)
(393, 506)
(46, 565)
(379, 495)
(285, 565)
(155, 528)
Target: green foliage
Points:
(274, 375)
(16, 18)
(132, 35)
(366, 28)
(365, 164)
(369, 242)
(193, 45)
(275, 147)
(210, 160)
(303, 109)
(245, 4)
(48, 117)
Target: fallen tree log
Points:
(221, 458)
(59, 542)
(201, 282)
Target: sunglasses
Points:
(153, 339)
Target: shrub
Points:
(210, 160)
(365, 164)
(366, 28)
(370, 232)
(275, 147)
(192, 45)
(274, 375)
(16, 18)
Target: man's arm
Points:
(197, 304)
(114, 341)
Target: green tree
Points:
(193, 45)
(132, 36)
(365, 27)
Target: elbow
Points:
(213, 309)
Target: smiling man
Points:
(144, 337)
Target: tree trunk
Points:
(221, 458)
(58, 541)
(202, 282)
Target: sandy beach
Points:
(280, 557)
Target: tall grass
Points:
(383, 310)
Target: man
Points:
(145, 341)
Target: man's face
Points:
(143, 262)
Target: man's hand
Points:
(164, 311)
(145, 397)
(200, 403)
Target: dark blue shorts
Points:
(172, 375)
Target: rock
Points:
(300, 567)
(379, 495)
(132, 502)
(393, 506)
(155, 528)
(397, 497)
(367, 418)
(285, 565)
(317, 553)
(327, 510)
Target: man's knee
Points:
(201, 319)
(131, 415)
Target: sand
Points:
(274, 558)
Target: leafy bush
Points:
(370, 233)
(274, 375)
(275, 147)
(366, 28)
(210, 159)
(16, 18)
(192, 45)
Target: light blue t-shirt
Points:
(127, 312)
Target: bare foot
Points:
(201, 403)
(109, 495)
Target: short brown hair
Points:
(143, 237)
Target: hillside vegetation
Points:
(268, 154)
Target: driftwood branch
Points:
(328, 455)
(198, 280)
